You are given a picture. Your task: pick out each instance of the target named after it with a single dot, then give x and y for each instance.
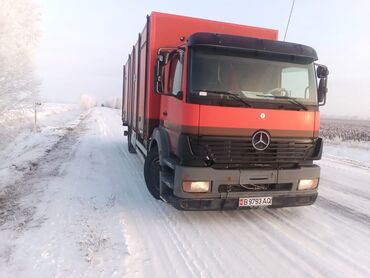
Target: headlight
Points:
(196, 186)
(308, 184)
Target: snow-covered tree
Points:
(115, 103)
(19, 34)
(87, 101)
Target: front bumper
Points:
(215, 199)
(233, 203)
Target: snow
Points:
(15, 121)
(352, 153)
(81, 209)
(13, 116)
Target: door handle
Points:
(165, 113)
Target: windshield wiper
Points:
(234, 96)
(291, 100)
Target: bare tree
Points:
(19, 34)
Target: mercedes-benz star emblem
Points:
(261, 140)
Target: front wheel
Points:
(151, 172)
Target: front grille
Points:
(226, 150)
(223, 188)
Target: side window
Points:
(175, 76)
(295, 81)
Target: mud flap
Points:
(223, 199)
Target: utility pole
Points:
(35, 123)
(290, 15)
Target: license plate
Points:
(255, 202)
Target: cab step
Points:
(170, 162)
(168, 179)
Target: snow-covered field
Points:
(73, 203)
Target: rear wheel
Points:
(151, 172)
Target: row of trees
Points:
(113, 103)
(88, 101)
(342, 130)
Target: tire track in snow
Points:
(345, 211)
(277, 241)
(194, 268)
(303, 234)
(343, 161)
(337, 186)
(200, 235)
(219, 236)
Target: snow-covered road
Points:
(83, 210)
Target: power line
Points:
(290, 15)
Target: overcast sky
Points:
(85, 42)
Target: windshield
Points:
(251, 78)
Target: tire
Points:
(131, 148)
(151, 172)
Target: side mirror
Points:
(163, 57)
(322, 73)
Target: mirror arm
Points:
(322, 91)
(324, 102)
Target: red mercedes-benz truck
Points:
(225, 115)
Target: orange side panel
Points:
(135, 84)
(142, 81)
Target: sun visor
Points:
(258, 47)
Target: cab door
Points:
(172, 100)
